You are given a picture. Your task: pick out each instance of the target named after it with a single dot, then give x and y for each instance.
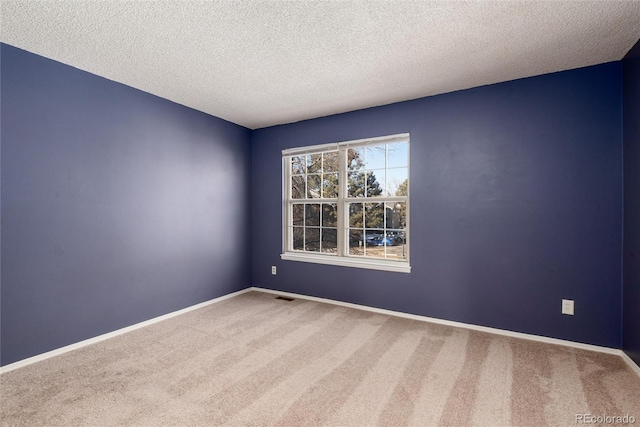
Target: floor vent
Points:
(285, 298)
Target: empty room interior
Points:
(320, 213)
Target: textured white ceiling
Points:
(260, 63)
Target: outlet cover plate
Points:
(567, 306)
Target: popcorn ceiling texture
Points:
(262, 63)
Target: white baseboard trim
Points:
(40, 357)
(84, 343)
(487, 329)
(635, 368)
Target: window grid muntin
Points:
(304, 227)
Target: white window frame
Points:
(342, 258)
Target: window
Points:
(348, 203)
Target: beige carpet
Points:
(256, 360)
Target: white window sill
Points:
(373, 264)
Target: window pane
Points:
(355, 159)
(376, 156)
(314, 163)
(374, 215)
(313, 186)
(329, 215)
(396, 244)
(356, 215)
(312, 215)
(298, 214)
(374, 237)
(298, 190)
(397, 237)
(375, 183)
(298, 238)
(397, 182)
(396, 215)
(397, 155)
(312, 239)
(356, 246)
(329, 240)
(330, 185)
(330, 162)
(375, 244)
(298, 165)
(356, 184)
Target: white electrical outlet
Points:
(567, 306)
(273, 270)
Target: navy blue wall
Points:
(631, 261)
(516, 203)
(117, 206)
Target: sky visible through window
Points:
(388, 163)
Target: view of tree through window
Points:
(377, 229)
(314, 224)
(367, 217)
